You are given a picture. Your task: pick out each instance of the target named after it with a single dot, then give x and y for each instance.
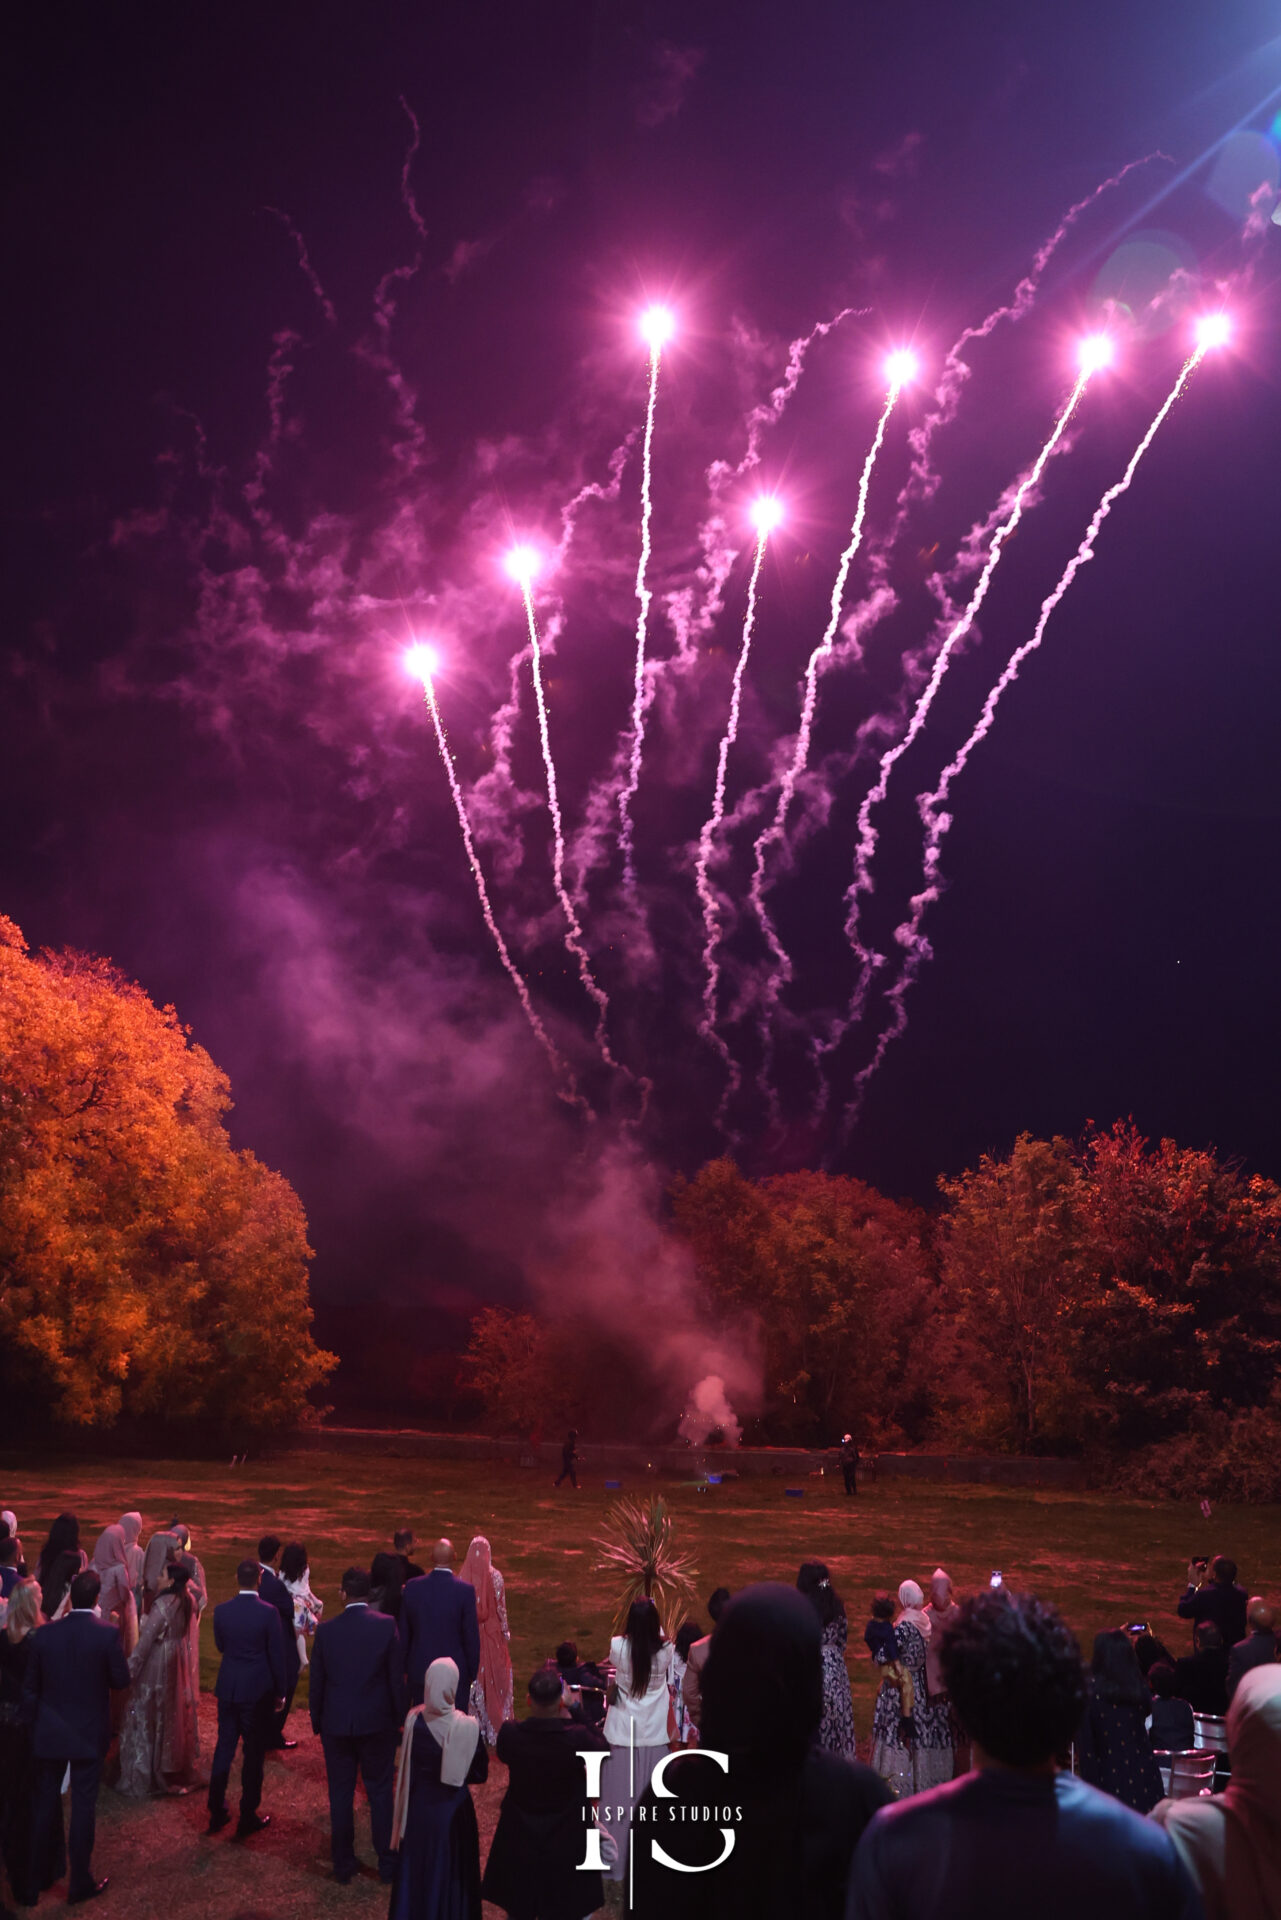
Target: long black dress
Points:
(1115, 1754)
(27, 1877)
(438, 1868)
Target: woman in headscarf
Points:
(115, 1597)
(1230, 1842)
(895, 1751)
(491, 1694)
(640, 1725)
(131, 1526)
(158, 1743)
(836, 1731)
(802, 1809)
(28, 1877)
(434, 1824)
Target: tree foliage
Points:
(147, 1269)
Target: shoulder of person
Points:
(618, 1648)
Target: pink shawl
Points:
(495, 1661)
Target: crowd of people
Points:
(713, 1772)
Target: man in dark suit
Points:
(1201, 1678)
(357, 1706)
(535, 1865)
(1258, 1649)
(403, 1544)
(438, 1621)
(71, 1671)
(277, 1595)
(250, 1691)
(1213, 1593)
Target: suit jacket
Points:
(1201, 1680)
(72, 1668)
(249, 1636)
(357, 1674)
(1226, 1606)
(438, 1621)
(274, 1591)
(1257, 1650)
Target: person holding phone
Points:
(1212, 1593)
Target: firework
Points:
(656, 327)
(422, 662)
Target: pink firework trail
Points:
(767, 515)
(773, 835)
(862, 882)
(936, 822)
(422, 664)
(656, 326)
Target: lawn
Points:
(1104, 1561)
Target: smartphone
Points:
(1138, 1626)
(995, 1581)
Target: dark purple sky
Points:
(213, 769)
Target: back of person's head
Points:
(178, 1574)
(1161, 1679)
(442, 1554)
(8, 1547)
(883, 1606)
(64, 1537)
(1254, 1744)
(1013, 1669)
(717, 1603)
(762, 1687)
(1206, 1636)
(85, 1589)
(814, 1581)
(293, 1561)
(1223, 1571)
(247, 1574)
(1260, 1616)
(403, 1539)
(1115, 1675)
(24, 1614)
(545, 1687)
(181, 1532)
(567, 1654)
(644, 1635)
(686, 1634)
(1148, 1650)
(268, 1548)
(356, 1583)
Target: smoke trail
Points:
(866, 849)
(706, 841)
(406, 188)
(407, 450)
(780, 971)
(309, 273)
(916, 948)
(574, 941)
(640, 700)
(568, 1089)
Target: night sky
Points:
(285, 380)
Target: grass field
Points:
(1103, 1561)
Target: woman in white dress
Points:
(491, 1694)
(296, 1574)
(639, 1722)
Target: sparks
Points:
(766, 513)
(901, 368)
(422, 662)
(523, 564)
(1095, 352)
(656, 328)
(1213, 330)
(657, 325)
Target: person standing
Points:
(434, 1823)
(894, 1746)
(274, 1591)
(158, 1742)
(1112, 1746)
(403, 1544)
(63, 1537)
(836, 1729)
(250, 1691)
(357, 1698)
(135, 1558)
(1258, 1649)
(1201, 1678)
(849, 1463)
(1230, 1842)
(639, 1724)
(569, 1460)
(1212, 1593)
(73, 1669)
(161, 1549)
(692, 1678)
(29, 1874)
(115, 1600)
(492, 1690)
(939, 1737)
(535, 1868)
(296, 1574)
(438, 1622)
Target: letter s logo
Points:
(663, 1792)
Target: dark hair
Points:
(544, 1687)
(8, 1546)
(58, 1576)
(644, 1634)
(718, 1603)
(567, 1654)
(387, 1582)
(1223, 1570)
(85, 1588)
(247, 1573)
(1206, 1635)
(268, 1548)
(293, 1561)
(882, 1606)
(686, 1634)
(815, 1582)
(1161, 1679)
(179, 1575)
(403, 1539)
(1013, 1669)
(1115, 1676)
(64, 1537)
(1148, 1650)
(356, 1583)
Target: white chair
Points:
(1191, 1773)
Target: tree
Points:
(835, 1277)
(511, 1363)
(148, 1268)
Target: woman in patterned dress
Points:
(836, 1729)
(491, 1694)
(896, 1751)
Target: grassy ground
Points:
(1104, 1561)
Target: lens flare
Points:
(766, 513)
(901, 367)
(422, 661)
(523, 564)
(657, 325)
(1213, 330)
(1094, 352)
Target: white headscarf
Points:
(912, 1602)
(1231, 1842)
(455, 1734)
